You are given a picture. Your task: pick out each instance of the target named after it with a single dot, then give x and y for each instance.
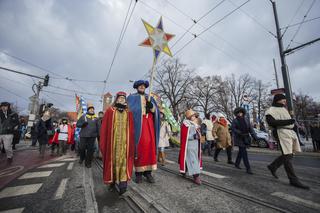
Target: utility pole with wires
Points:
(275, 73)
(36, 88)
(283, 53)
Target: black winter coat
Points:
(42, 128)
(242, 138)
(7, 124)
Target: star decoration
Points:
(157, 39)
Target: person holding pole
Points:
(146, 118)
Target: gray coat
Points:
(240, 138)
(89, 127)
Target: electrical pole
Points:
(284, 67)
(275, 73)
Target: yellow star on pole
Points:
(157, 39)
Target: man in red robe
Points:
(117, 144)
(146, 118)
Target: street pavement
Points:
(61, 184)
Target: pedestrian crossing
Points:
(29, 189)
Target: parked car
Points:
(265, 140)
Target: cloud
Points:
(77, 39)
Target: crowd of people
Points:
(133, 133)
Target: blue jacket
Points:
(134, 103)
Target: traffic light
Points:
(46, 81)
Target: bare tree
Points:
(240, 87)
(262, 98)
(173, 81)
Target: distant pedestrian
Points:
(165, 133)
(16, 135)
(223, 138)
(97, 145)
(88, 134)
(33, 134)
(315, 135)
(208, 134)
(43, 126)
(241, 131)
(8, 120)
(281, 123)
(190, 148)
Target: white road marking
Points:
(68, 159)
(169, 161)
(19, 210)
(212, 174)
(10, 171)
(35, 175)
(61, 189)
(20, 190)
(70, 166)
(51, 165)
(297, 200)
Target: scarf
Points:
(223, 122)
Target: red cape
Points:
(55, 137)
(106, 145)
(184, 134)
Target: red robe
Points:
(146, 156)
(184, 134)
(106, 145)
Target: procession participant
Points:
(43, 126)
(8, 120)
(88, 134)
(146, 129)
(281, 123)
(223, 138)
(208, 134)
(117, 144)
(241, 131)
(190, 147)
(65, 136)
(54, 139)
(165, 133)
(97, 144)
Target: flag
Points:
(81, 106)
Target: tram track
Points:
(137, 202)
(231, 192)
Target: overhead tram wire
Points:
(195, 36)
(75, 91)
(294, 15)
(43, 69)
(215, 34)
(297, 31)
(121, 36)
(212, 25)
(14, 94)
(302, 22)
(255, 20)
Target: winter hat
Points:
(214, 118)
(5, 104)
(189, 113)
(90, 106)
(121, 94)
(238, 110)
(278, 97)
(140, 82)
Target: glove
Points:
(292, 121)
(149, 106)
(195, 136)
(84, 124)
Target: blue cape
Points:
(134, 103)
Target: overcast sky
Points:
(77, 39)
